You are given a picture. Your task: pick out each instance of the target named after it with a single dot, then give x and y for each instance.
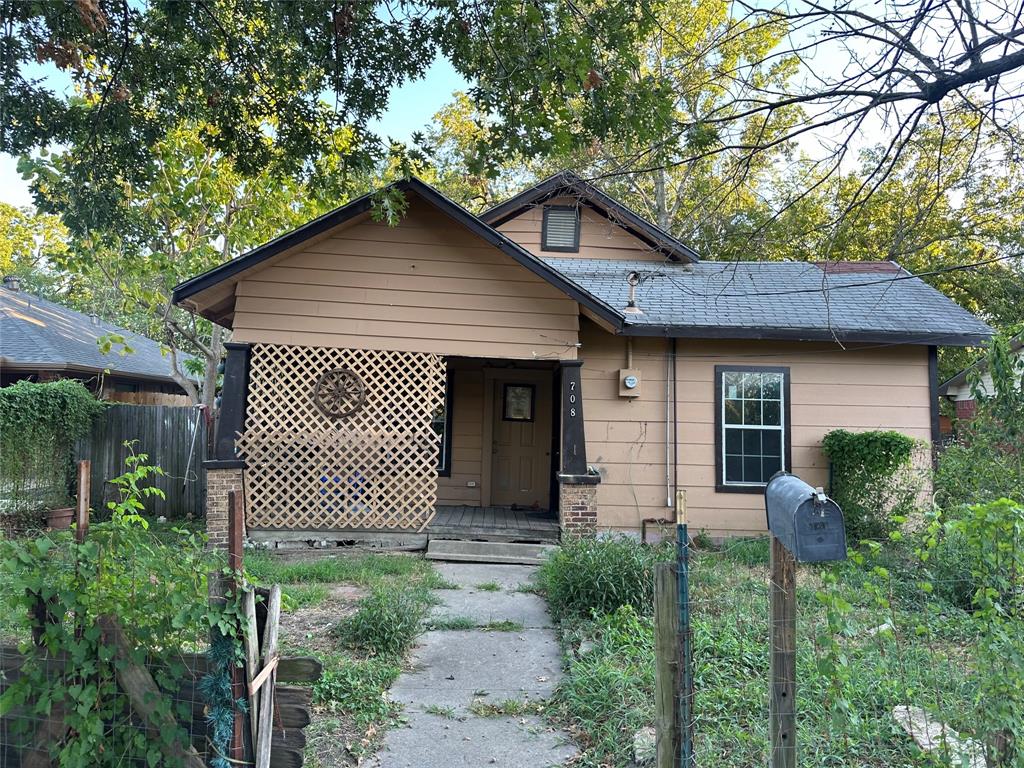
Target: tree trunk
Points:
(212, 361)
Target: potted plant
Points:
(60, 519)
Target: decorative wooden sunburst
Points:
(339, 393)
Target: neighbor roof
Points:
(778, 300)
(1016, 345)
(36, 334)
(568, 183)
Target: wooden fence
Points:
(174, 437)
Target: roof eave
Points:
(924, 338)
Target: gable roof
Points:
(568, 183)
(863, 301)
(959, 379)
(361, 205)
(779, 300)
(36, 334)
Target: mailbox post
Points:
(806, 526)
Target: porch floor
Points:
(493, 524)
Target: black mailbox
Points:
(804, 519)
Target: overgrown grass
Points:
(386, 621)
(489, 586)
(365, 570)
(599, 575)
(608, 693)
(506, 625)
(298, 596)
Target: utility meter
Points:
(629, 382)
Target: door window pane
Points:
(518, 405)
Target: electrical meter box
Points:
(629, 382)
(806, 521)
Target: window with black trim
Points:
(441, 422)
(752, 426)
(560, 230)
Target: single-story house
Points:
(557, 358)
(958, 389)
(44, 341)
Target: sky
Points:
(410, 109)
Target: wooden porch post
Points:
(577, 497)
(574, 443)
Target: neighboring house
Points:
(555, 357)
(43, 341)
(958, 389)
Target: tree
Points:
(29, 244)
(238, 67)
(198, 211)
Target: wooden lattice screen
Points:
(376, 468)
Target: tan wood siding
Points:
(856, 389)
(599, 237)
(467, 436)
(426, 285)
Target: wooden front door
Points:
(521, 440)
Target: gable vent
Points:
(561, 228)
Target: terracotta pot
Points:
(60, 519)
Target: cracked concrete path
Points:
(453, 669)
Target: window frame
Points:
(575, 247)
(787, 433)
(444, 467)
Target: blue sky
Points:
(410, 108)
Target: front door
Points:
(521, 449)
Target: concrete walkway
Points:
(456, 671)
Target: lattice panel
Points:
(374, 469)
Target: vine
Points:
(39, 424)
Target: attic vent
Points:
(561, 228)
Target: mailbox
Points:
(804, 519)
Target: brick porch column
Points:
(224, 470)
(577, 498)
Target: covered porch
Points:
(437, 447)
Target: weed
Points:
(489, 586)
(507, 625)
(356, 687)
(508, 708)
(747, 551)
(303, 596)
(435, 580)
(386, 621)
(481, 692)
(451, 623)
(436, 709)
(600, 575)
(529, 588)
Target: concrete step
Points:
(488, 552)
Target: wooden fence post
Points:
(236, 522)
(666, 663)
(782, 702)
(82, 509)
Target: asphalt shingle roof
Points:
(37, 332)
(786, 300)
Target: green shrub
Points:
(356, 687)
(872, 480)
(386, 621)
(588, 575)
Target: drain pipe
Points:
(669, 365)
(675, 419)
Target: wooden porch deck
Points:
(494, 524)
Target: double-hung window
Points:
(441, 423)
(752, 426)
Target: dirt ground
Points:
(309, 628)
